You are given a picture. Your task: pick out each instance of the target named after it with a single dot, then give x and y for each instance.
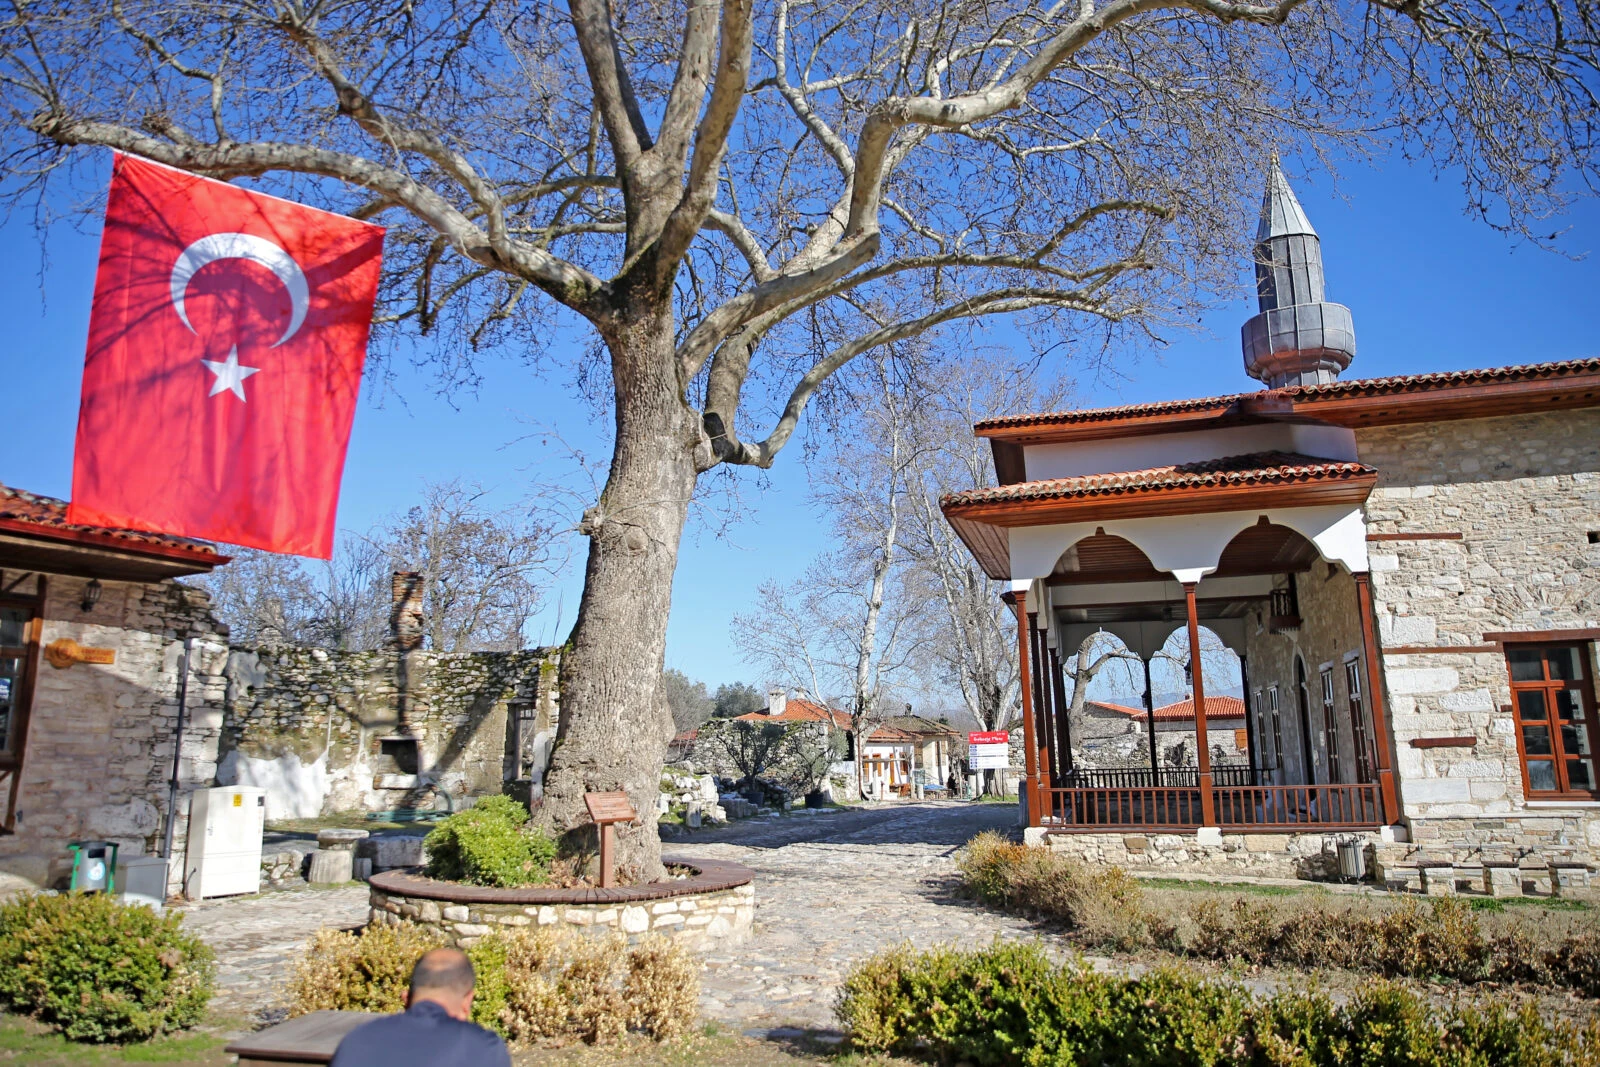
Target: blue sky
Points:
(1430, 289)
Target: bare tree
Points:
(739, 201)
(969, 634)
(483, 570)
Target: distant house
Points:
(1110, 733)
(908, 750)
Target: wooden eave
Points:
(1435, 403)
(30, 546)
(1226, 411)
(1163, 501)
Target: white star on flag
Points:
(230, 376)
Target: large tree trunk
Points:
(615, 721)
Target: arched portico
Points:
(1237, 575)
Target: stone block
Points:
(1208, 836)
(1501, 881)
(1422, 680)
(1438, 881)
(1437, 791)
(1569, 880)
(471, 929)
(548, 915)
(456, 913)
(635, 920)
(388, 852)
(661, 921)
(334, 839)
(1135, 842)
(331, 866)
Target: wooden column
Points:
(1030, 753)
(1150, 724)
(1208, 803)
(1058, 680)
(1375, 701)
(1249, 719)
(1041, 695)
(1041, 703)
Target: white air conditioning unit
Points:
(224, 855)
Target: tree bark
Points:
(615, 721)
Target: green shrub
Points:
(1009, 1004)
(99, 970)
(490, 844)
(1105, 906)
(532, 984)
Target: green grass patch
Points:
(23, 1041)
(1542, 903)
(1251, 888)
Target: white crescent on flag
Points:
(243, 246)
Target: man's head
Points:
(445, 977)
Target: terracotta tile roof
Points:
(1221, 707)
(1256, 468)
(798, 710)
(916, 724)
(1395, 384)
(20, 506)
(1414, 383)
(1125, 411)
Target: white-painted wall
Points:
(1072, 459)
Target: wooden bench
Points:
(307, 1039)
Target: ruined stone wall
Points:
(325, 731)
(1523, 493)
(1329, 635)
(100, 736)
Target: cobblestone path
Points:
(830, 889)
(256, 937)
(833, 888)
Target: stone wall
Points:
(1523, 494)
(1308, 855)
(100, 736)
(326, 731)
(1329, 636)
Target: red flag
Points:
(225, 350)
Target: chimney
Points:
(405, 613)
(777, 700)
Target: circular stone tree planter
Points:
(713, 906)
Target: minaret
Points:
(1299, 338)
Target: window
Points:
(1330, 724)
(15, 626)
(19, 637)
(1361, 729)
(1553, 697)
(1270, 729)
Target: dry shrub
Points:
(533, 984)
(366, 971)
(1104, 906)
(662, 987)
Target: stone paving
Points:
(833, 888)
(830, 888)
(255, 938)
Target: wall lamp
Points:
(91, 594)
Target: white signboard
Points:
(988, 750)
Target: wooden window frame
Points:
(1360, 725)
(1330, 724)
(13, 760)
(1585, 686)
(1274, 721)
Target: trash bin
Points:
(94, 866)
(1352, 860)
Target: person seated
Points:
(435, 1030)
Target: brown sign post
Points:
(607, 809)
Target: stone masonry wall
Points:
(99, 747)
(1310, 855)
(310, 725)
(1329, 634)
(700, 921)
(1523, 493)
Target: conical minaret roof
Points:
(1281, 213)
(1299, 338)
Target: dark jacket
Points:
(422, 1036)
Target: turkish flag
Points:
(225, 349)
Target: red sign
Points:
(989, 737)
(226, 343)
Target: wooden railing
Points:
(1300, 805)
(1169, 777)
(1237, 807)
(1109, 809)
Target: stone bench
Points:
(1569, 879)
(1502, 880)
